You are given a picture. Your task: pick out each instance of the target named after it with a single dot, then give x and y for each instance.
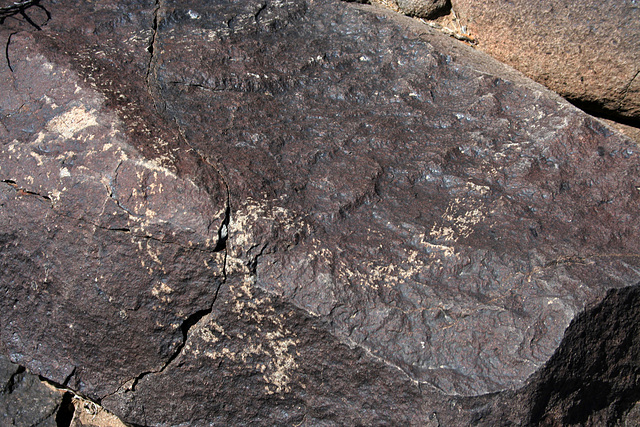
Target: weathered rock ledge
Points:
(286, 212)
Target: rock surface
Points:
(281, 212)
(417, 8)
(587, 51)
(113, 251)
(591, 380)
(24, 400)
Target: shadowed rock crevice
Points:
(193, 319)
(64, 417)
(596, 109)
(24, 192)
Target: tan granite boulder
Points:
(417, 8)
(587, 51)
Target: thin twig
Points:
(15, 8)
(20, 8)
(6, 51)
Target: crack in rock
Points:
(192, 320)
(20, 191)
(625, 91)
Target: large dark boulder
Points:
(280, 212)
(417, 8)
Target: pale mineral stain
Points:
(461, 224)
(38, 158)
(73, 121)
(154, 165)
(161, 291)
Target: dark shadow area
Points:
(66, 411)
(595, 109)
(594, 377)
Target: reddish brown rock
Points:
(589, 52)
(106, 254)
(299, 212)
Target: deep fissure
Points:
(151, 47)
(194, 318)
(64, 417)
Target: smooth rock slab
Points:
(354, 217)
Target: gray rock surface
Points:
(290, 212)
(24, 400)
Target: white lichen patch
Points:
(481, 189)
(154, 165)
(245, 219)
(38, 158)
(282, 363)
(72, 122)
(161, 291)
(435, 250)
(245, 304)
(277, 349)
(55, 194)
(154, 253)
(461, 216)
(263, 345)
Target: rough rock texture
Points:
(24, 400)
(630, 131)
(285, 212)
(592, 379)
(106, 255)
(587, 51)
(417, 8)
